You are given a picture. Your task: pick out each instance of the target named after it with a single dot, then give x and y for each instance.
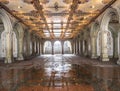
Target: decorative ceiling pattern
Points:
(59, 19)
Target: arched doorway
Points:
(109, 43)
(47, 47)
(15, 44)
(7, 50)
(108, 35)
(67, 47)
(3, 44)
(57, 47)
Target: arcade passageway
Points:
(59, 45)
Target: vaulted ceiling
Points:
(59, 19)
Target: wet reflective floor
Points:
(58, 73)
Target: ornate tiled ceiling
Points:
(56, 18)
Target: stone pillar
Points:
(20, 46)
(118, 61)
(36, 47)
(93, 48)
(78, 46)
(28, 44)
(72, 45)
(116, 47)
(40, 47)
(62, 44)
(9, 49)
(33, 47)
(52, 48)
(81, 47)
(104, 50)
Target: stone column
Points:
(33, 47)
(93, 48)
(78, 46)
(40, 47)
(36, 47)
(104, 50)
(81, 47)
(62, 44)
(28, 44)
(20, 46)
(116, 47)
(52, 48)
(72, 45)
(118, 61)
(9, 49)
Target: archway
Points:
(47, 47)
(57, 47)
(67, 47)
(18, 42)
(15, 44)
(109, 33)
(8, 38)
(109, 43)
(95, 27)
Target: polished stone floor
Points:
(59, 73)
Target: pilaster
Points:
(9, 48)
(104, 51)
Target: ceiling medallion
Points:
(56, 6)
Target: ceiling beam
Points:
(39, 8)
(72, 11)
(101, 12)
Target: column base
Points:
(20, 58)
(118, 62)
(105, 59)
(8, 60)
(94, 57)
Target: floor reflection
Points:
(51, 73)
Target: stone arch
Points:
(109, 43)
(111, 15)
(94, 29)
(57, 47)
(67, 47)
(6, 20)
(106, 18)
(7, 31)
(19, 31)
(47, 47)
